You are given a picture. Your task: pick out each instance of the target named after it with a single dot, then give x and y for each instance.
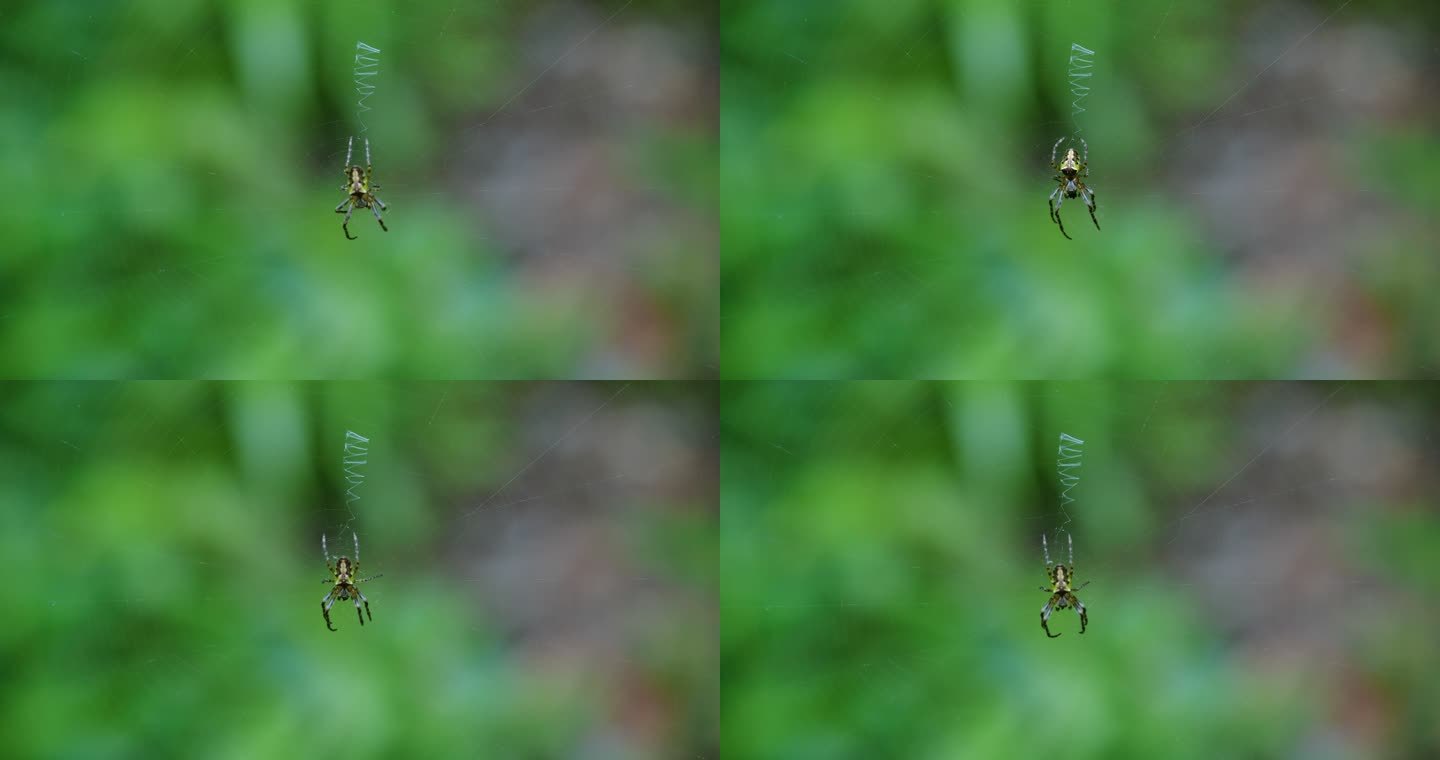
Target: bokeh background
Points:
(1262, 558)
(1264, 197)
(174, 166)
(548, 554)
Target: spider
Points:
(346, 585)
(1071, 174)
(1061, 593)
(362, 195)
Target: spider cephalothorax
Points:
(346, 584)
(1062, 588)
(1071, 173)
(360, 189)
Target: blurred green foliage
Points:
(548, 584)
(174, 167)
(885, 173)
(1260, 556)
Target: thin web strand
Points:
(547, 450)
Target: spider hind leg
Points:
(325, 610)
(1045, 619)
(1055, 214)
(345, 225)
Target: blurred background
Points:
(1264, 200)
(548, 167)
(1262, 559)
(548, 554)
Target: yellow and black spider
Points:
(343, 574)
(362, 192)
(1062, 594)
(1071, 173)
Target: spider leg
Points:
(1083, 585)
(1080, 607)
(1090, 204)
(1053, 148)
(345, 225)
(1045, 619)
(1055, 214)
(376, 212)
(1044, 546)
(1085, 155)
(348, 147)
(357, 609)
(367, 604)
(377, 200)
(325, 605)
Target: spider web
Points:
(551, 542)
(881, 546)
(917, 168)
(540, 162)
